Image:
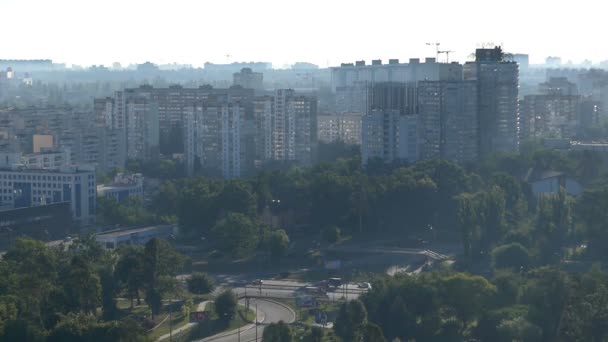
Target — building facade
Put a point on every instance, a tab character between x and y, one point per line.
24	188
345	128
497	100
448	120
246	78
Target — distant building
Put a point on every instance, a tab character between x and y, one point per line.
388	129
497	104
349	74
340	127
523	60
246	78
42	141
24	188
294	127
555	112
137	236
389	136
47	159
353	99
123	187
448	120
552	182
213	140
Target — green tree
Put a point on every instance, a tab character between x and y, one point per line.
236	234
331	234
129	271
277	332
154	300
316	334
467	295
279	242
586	317
513	256
370	332
200	283
226	305
547	292
82	286
351	316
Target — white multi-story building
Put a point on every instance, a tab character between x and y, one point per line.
340	127
47	159
349	75
212	138
23	188
142	128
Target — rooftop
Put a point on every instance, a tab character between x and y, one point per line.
116	233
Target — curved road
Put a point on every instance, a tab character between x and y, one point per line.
272	313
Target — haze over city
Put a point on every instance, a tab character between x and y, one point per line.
310	171
323	32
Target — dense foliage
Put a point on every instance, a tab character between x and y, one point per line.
53	294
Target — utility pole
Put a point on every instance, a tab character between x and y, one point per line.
256	321
170	326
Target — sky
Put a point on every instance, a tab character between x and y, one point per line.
324	32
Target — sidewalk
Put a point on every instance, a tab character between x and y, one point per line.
201	307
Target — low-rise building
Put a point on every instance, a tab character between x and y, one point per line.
552	182
138	236
123	187
24	188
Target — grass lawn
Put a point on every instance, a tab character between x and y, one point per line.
177	321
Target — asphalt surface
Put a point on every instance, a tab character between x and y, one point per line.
290	289
271	312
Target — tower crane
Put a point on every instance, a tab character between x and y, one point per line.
447	55
436	48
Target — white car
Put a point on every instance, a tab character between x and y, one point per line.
367	286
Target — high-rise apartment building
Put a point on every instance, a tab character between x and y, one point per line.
340	127
142	128
553	112
293	127
388	129
349	74
246	78
497	104
448	120
213	140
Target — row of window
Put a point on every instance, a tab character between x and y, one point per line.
37	177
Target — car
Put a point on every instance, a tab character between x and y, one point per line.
258	282
67	239
365	285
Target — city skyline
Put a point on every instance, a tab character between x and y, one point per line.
324	33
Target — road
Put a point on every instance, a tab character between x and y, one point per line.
291	289
268	312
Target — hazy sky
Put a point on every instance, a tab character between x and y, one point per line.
283	31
